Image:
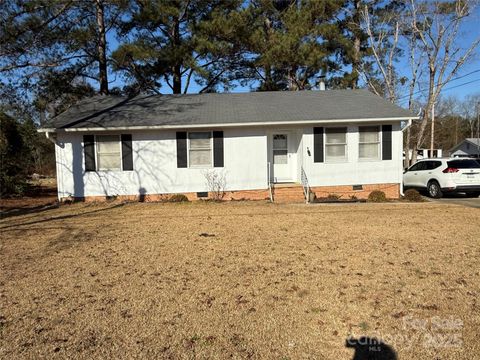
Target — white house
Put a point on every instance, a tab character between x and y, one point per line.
470	147
343	142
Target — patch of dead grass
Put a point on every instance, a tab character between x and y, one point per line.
241	280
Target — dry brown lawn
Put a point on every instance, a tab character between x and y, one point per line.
239	280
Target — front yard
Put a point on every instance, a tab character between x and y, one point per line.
239	280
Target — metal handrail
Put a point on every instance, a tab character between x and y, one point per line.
269	182
305	184
269	172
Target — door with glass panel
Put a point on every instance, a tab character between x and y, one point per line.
281	158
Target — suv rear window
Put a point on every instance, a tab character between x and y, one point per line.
464	164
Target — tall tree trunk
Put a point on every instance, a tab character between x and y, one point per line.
177	79
268	86
102	48
267	29
428	108
356	45
292	83
177	68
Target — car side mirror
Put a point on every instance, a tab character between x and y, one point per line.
405	170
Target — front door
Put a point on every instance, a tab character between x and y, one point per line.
282	164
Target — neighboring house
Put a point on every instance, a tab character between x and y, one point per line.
470	147
343	142
425	154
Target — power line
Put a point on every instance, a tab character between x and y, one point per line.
446	82
466	83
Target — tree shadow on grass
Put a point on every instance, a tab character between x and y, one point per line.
35	199
63	217
17	211
367	348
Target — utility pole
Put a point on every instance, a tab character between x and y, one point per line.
456	130
432	138
478	130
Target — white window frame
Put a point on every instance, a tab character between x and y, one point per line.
287	133
379	143
325	145
210	166
96	153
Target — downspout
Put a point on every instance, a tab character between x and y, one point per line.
50	138
53	140
409	123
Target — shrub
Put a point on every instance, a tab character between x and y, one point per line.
377	196
177	198
333	196
216	183
13	174
412	195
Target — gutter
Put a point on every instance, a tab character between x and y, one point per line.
409	123
222	125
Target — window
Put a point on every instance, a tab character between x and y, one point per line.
418	166
200	149
369	143
108	152
464	164
335	144
280	149
431	165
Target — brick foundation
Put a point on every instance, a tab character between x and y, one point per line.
392	191
192	196
282	194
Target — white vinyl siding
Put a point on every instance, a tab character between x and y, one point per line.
108	152
336	144
200	152
369	143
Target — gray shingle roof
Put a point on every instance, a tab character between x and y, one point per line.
474	141
226	108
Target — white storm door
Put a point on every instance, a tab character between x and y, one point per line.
281	158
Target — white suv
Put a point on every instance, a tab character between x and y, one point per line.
439	176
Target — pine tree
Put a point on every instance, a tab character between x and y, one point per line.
289	43
172	41
67	37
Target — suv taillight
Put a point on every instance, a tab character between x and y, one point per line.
449	170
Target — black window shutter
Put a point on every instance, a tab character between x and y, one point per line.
181	149
318	144
218	148
89	152
127	155
386	142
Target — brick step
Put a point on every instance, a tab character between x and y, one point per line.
288	194
292	200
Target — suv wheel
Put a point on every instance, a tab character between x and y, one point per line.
434	189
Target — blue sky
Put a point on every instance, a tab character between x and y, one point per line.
469	83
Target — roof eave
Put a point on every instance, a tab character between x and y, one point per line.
223	125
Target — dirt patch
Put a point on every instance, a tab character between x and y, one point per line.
240	280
